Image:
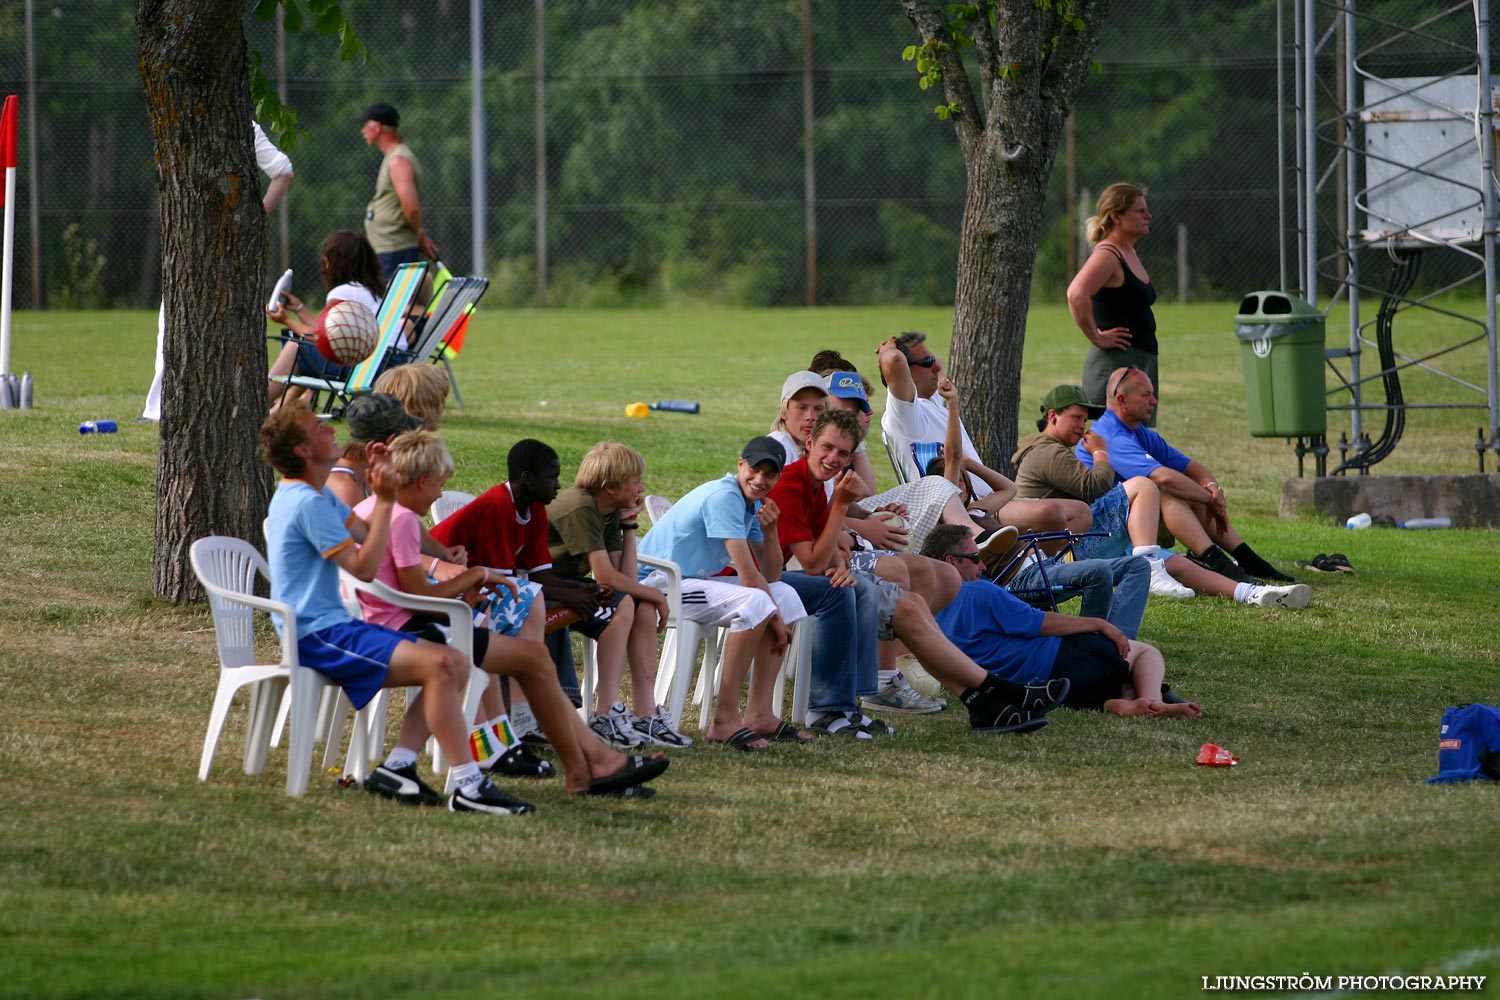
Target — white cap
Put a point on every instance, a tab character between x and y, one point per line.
797	381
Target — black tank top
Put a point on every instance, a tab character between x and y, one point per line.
1128	305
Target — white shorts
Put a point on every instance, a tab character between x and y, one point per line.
721	600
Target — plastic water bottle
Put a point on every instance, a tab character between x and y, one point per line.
98	427
1358	521
675	406
1428	522
26	389
6	401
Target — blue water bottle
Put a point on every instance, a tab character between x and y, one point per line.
675	406
98	427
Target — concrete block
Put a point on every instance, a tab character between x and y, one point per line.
1472	501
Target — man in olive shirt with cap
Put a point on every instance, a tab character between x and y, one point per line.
393	218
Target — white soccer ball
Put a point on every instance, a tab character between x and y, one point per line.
896	521
916	675
347	332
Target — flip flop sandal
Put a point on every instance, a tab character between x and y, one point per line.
633	792
1320	563
838	724
741	741
637	771
785	732
1341	562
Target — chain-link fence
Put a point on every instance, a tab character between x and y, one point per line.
674	136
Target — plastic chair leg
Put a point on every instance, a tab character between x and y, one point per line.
306	686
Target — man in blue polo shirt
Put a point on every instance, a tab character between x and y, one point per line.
1192	502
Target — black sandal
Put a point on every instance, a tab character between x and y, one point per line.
520	762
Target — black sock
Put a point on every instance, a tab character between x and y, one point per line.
998	689
1255	565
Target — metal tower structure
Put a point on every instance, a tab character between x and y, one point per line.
1393	164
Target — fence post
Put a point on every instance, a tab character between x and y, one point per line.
809	172
541	153
1182	264
476	134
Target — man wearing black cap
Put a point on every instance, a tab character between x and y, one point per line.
393	219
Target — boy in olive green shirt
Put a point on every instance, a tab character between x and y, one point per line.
591	532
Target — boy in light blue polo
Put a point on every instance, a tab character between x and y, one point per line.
722	524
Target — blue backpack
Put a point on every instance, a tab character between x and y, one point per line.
1469	745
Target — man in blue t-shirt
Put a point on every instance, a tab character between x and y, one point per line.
1192	502
1107	672
310	535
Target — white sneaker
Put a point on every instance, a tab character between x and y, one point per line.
616	728
660	729
1163	584
899	696
1296	596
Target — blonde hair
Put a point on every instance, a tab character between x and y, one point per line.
1116	200
608	463
422	389
420	453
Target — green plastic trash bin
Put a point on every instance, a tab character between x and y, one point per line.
1281	350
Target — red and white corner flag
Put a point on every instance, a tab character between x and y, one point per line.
9	127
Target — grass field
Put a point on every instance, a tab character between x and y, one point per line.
1092	859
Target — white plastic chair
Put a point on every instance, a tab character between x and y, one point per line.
450	501
460	636
228	568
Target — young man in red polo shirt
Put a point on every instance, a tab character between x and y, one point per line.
813	531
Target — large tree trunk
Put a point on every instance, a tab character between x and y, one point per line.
997	248
209	480
1031	67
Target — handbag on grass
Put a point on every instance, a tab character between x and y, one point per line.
1468	745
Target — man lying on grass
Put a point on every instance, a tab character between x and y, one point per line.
1021	644
422	465
310	534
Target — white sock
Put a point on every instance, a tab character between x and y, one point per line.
521	719
467	777
1152	552
400	757
1245	592
884	677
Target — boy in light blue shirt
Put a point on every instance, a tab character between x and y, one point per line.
729	523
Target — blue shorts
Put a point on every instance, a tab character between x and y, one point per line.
354	655
1111	514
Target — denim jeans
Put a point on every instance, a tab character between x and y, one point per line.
843	641
1113	589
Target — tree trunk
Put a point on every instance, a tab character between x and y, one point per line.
1031	67
209	478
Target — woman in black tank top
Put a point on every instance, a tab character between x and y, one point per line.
1111	296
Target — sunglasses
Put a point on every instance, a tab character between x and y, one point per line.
971	556
1129	369
926	362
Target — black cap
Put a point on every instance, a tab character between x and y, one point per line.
382	113
376	416
764	449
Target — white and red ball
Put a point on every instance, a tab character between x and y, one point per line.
346	332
